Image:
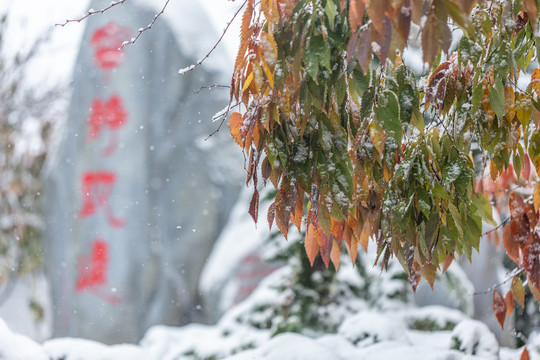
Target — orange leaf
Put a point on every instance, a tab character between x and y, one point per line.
356	14
335	254
493	171
235	125
511	247
311	244
525	355
447	262
352	244
509	300
499	307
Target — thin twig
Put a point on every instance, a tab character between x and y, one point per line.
210	87
513	273
92	12
224	117
192	67
141	30
497	227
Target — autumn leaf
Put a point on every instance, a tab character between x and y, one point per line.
525	354
511	247
436	34
518	291
363	50
254	206
536	196
509	300
351	244
376	10
499	307
311	244
509	104
356	14
335	255
325	243
531	259
235	126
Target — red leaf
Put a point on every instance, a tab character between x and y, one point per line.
516	204
266	169
376	10
521	229
531	259
499	307
271	215
404	19
351	47
342	4
363	50
326	247
254	206
382	39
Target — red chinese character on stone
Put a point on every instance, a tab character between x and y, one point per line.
107	115
92	274
107	40
96	190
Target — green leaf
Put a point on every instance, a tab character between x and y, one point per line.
440	192
331	12
478	93
388	115
418	120
483	208
496	98
424	202
456	217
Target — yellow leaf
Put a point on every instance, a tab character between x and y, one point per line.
536	196
523	109
248	82
509	104
535	81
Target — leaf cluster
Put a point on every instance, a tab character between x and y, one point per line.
358	148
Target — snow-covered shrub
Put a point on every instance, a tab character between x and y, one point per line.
475	338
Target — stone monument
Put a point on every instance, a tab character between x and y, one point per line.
135	195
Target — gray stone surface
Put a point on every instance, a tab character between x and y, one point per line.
171	196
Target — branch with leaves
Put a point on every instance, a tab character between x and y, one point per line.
358	149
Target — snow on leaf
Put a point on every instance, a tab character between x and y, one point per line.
531	259
499	307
